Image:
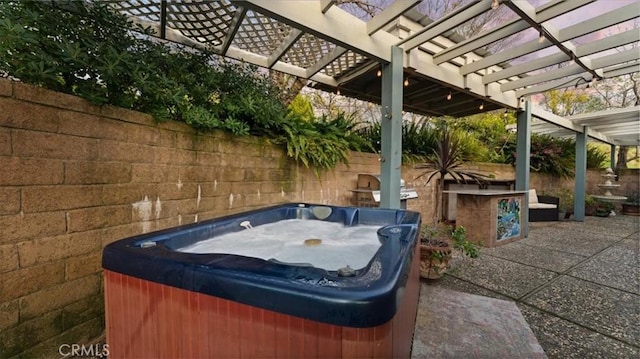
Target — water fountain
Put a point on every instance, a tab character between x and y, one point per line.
608	186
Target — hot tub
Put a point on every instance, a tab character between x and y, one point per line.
164	301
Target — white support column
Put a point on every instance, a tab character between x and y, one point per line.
391	123
523	150
581	175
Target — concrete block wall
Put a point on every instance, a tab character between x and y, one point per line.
75	177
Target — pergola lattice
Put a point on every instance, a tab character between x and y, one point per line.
319	41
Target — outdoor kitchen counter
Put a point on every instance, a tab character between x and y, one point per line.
491	217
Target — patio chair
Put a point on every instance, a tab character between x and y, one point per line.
542	208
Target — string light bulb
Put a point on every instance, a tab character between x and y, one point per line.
449	96
494	4
541	38
406	81
338	91
481	106
379	73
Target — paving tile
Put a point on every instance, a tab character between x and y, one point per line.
463	325
610	273
621	226
505	277
603	309
562	339
576	242
576	283
626	251
617	267
536	256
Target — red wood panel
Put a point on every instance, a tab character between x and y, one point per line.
329	341
405	320
146	319
383	341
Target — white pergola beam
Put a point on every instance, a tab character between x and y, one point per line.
233	29
447	73
260	60
324	26
286	44
566	82
375	47
600	136
592	25
357	73
446	23
326	60
619	129
480	41
597	63
525	67
527	9
622	70
626	112
546	12
606	121
170	35
556	120
618	58
611	18
503	56
560	73
562	122
584	50
610	42
389	14
325	5
630	140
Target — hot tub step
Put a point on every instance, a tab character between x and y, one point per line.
471	326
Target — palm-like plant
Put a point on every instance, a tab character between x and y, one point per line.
446	160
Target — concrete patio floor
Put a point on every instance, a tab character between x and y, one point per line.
577	285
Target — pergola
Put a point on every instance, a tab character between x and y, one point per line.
406	61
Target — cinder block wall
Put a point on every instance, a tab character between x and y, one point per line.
75	177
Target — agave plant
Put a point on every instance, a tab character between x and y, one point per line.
446	160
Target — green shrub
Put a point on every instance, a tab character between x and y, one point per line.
460	242
596	158
88	50
320	143
564	195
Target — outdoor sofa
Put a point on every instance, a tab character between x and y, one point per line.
542	208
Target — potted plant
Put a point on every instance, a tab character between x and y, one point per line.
435	251
632	205
590	206
603	209
437	244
